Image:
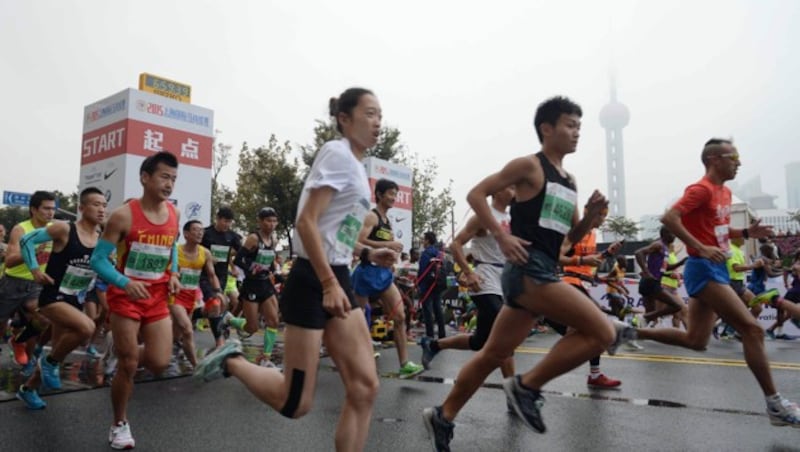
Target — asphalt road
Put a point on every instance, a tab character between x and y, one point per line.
670	400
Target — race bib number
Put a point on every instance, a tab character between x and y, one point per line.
220	253
147	261
722	232
190	278
347	234
558	208
76	280
263	260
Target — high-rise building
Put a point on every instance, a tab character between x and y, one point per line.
793	185
614	117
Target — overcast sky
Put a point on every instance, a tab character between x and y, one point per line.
461	80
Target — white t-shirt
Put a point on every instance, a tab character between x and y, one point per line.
486	252
335	166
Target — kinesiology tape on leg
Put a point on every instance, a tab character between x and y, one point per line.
295	393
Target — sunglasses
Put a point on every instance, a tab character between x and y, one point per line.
733	156
267	212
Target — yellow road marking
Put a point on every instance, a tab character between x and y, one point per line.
674	359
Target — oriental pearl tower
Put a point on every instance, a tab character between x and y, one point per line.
614	117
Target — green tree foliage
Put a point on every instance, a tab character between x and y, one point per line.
66	203
220	194
268	176
432	209
621	227
795	216
11	215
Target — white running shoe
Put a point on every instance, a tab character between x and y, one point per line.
119	436
634	346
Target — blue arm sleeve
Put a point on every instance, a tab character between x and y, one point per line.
27	243
174	267
100	264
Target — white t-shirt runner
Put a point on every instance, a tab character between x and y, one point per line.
335	166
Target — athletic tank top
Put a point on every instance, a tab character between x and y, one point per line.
69	269
42	256
381	232
667	281
263	262
655	261
190	269
737	258
144	254
587	246
546	218
489	260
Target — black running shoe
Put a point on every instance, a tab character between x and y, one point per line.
527	404
440	430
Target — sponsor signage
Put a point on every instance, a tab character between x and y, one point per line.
121	130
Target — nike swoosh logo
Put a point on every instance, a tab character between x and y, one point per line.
398	220
108	174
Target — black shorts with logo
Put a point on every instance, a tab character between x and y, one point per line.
256	290
301	298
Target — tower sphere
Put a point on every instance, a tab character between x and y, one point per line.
614	115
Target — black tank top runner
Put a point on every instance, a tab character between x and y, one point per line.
545	219
69	269
381	232
263	260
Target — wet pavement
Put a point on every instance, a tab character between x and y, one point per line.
670	400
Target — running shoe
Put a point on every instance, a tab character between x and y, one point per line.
210	367
223	326
27	369
237	323
634	346
770	334
91	352
31	399
410	369
267	363
440	430
527	403
625	333
767	297
784	413
120	437
427	352
602	382
50	374
20	353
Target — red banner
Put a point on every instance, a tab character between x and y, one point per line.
105	142
190	148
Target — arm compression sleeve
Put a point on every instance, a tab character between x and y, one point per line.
174	267
100	264
27	244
